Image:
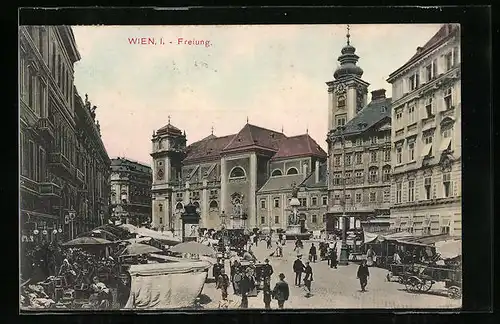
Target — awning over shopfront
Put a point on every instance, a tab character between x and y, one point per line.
449	249
380	237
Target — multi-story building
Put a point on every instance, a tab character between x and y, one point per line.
426	137
223	175
49	177
359	163
92	168
130	191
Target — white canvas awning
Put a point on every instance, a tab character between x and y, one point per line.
426	150
445	143
449	249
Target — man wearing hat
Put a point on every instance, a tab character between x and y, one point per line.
281	292
298	268
267	271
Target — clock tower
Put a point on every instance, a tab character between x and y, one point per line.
168	148
347	93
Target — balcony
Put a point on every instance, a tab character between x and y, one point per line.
49	189
59	161
45	128
80	176
28	185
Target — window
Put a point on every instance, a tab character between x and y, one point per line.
337	196
276	173
347	177
428	139
373	196
386	174
276	202
411	190
160	207
179	195
399	115
373	175
359	142
455	56
32	160
427	187
411	114
359	176
237	172
314	219
448	102
413	81
263	204
429	107
358	197
373	156
445	226
314	201
341	101
276	219
348	159
31	88
374	140
262	219
337	160
359	158
447	184
341	120
428	73
179	206
448	60
387	195
399	188
399	155
411	151
336	178
447	133
42	166
387	155
303	202
324	200
292	171
213	192
348	196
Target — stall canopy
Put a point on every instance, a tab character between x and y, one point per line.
380	237
428	240
166	237
166	285
449	249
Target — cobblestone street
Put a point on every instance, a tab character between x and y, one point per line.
337	288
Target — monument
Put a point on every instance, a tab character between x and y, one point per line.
190	223
294	229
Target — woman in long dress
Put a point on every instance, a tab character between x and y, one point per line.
369	257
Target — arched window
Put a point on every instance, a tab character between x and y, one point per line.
292	171
373	174
237	172
196	204
386	173
276	173
214	205
179	206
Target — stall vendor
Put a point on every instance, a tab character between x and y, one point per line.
101	294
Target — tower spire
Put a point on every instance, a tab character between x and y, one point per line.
212	129
247	119
348	35
169	119
282	128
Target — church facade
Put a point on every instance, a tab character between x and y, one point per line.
230	175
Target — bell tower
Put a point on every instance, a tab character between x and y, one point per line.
168	147
347	93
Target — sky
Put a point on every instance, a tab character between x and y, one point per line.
274	75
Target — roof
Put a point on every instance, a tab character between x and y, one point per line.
169	129
445	31
254	136
208	148
301	145
281	182
310	182
370	115
124	164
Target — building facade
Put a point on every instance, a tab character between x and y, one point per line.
224	175
359	163
50	176
130	192
426	137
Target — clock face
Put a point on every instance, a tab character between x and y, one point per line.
340	88
159	174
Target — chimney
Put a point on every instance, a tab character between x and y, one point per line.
316	172
304	171
378	94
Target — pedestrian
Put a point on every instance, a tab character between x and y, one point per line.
396	258
312	253
308	278
369	256
217	268
281	291
223	283
244	289
279	249
298	268
256	239
363	275
269	242
333	258
267	271
267	294
235	268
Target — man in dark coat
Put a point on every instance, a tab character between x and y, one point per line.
308	278
267	294
363	275
217	269
281	292
312	253
267	271
223	283
298	268
245	286
333	258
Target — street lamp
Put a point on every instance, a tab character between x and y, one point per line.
344	253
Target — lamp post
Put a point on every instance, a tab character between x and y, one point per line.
344	254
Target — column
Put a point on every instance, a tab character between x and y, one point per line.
204	205
252	222
223	187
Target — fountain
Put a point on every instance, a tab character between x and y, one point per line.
294	229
